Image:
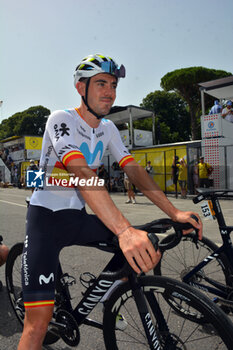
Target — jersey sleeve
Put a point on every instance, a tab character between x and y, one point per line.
118	149
61	129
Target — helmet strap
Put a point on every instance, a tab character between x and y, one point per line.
85	99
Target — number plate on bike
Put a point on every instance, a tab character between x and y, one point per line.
207	210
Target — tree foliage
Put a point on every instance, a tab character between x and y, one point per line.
172	121
185	83
29	122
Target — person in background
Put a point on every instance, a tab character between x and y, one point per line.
195	177
32	165
182	177
204	171
103	174
216	108
149	168
227	112
129	188
175	172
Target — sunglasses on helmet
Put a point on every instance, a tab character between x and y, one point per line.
110	67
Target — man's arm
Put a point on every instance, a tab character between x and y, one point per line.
147	186
225	112
134	244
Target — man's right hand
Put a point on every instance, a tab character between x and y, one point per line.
138	250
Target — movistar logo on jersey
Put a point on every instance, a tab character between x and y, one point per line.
35	178
90	157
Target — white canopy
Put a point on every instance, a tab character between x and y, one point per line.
127	114
220	88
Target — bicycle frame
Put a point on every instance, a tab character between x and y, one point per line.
226	248
98	289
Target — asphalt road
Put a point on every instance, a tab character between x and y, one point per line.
76	259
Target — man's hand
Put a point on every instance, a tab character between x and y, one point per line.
185	216
138	250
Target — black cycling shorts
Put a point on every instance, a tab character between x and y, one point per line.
47	232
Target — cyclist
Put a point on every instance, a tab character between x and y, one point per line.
74	143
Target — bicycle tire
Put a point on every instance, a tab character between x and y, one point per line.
178	261
14	288
187	335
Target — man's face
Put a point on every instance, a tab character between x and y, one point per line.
202	160
229	106
102	93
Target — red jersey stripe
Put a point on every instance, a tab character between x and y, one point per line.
125	160
72	155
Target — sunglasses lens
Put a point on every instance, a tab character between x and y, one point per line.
110	67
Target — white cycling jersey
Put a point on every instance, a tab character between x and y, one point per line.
67	136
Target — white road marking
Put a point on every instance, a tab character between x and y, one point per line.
19	205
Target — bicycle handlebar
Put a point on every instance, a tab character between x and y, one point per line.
207	193
156	226
167	224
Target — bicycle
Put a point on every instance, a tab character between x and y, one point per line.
161	314
202	264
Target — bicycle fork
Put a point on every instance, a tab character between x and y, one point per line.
153	336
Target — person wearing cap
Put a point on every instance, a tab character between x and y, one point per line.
32	165
204	171
227	112
216	108
74	143
182	177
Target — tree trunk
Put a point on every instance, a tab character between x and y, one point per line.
194	128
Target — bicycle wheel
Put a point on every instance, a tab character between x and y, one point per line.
178	261
14	287
180	332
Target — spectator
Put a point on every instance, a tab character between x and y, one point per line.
182	177
175	172
103	174
204	171
149	168
216	108
195	177
227	112
129	189
112	184
32	165
116	171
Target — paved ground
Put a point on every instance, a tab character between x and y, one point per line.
12	219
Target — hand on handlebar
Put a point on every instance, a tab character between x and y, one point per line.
138	250
188	216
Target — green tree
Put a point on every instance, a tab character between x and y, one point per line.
172	120
29	122
185	83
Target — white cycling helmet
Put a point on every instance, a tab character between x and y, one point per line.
95	64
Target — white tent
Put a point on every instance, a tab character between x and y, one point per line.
127	114
220	88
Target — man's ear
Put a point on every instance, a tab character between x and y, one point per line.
81	88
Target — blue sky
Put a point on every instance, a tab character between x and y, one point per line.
43	41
